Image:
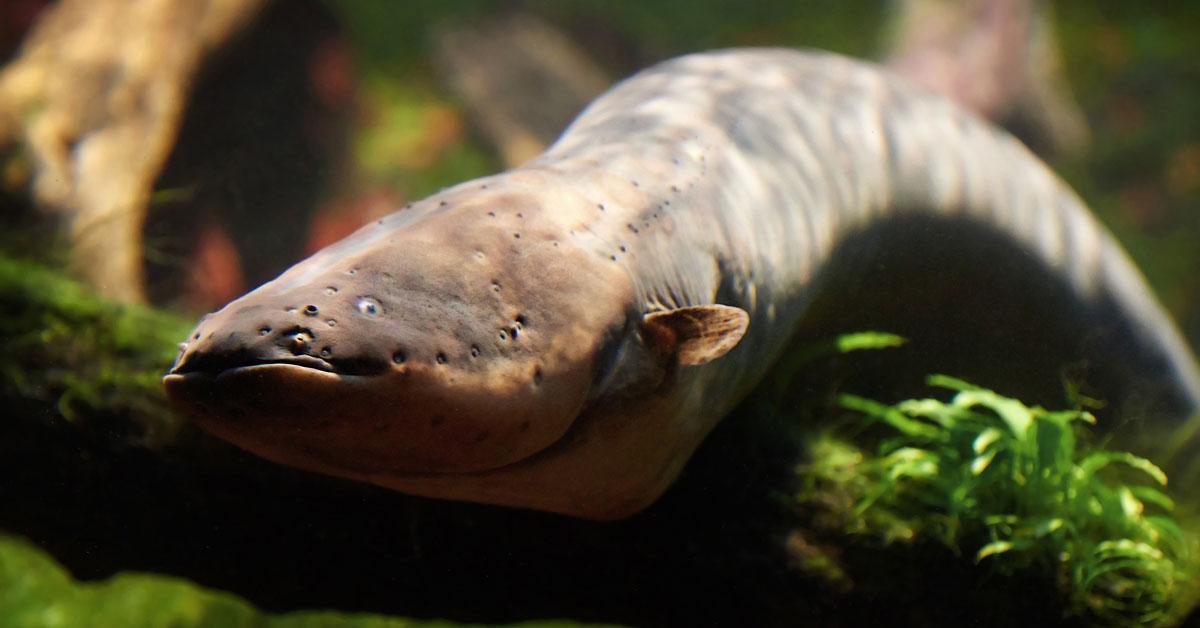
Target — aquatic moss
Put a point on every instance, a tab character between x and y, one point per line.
88	358
36	592
1016	488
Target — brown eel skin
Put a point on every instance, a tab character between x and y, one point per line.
562	336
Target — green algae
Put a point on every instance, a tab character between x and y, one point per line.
36	592
89	358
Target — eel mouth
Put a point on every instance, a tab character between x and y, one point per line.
200	368
411	420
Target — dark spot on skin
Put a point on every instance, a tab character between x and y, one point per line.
399	357
600	206
636	184
353	271
520	215
474	351
437	420
612	257
632	228
483	187
443	204
556	243
675	160
262	331
623	249
491	214
326	352
441	358
311	310
379	222
517	236
675	188
537	376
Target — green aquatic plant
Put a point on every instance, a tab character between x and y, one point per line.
84	356
1016	488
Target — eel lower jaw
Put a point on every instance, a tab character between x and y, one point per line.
303	361
203	394
301	416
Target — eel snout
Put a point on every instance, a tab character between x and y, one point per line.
405	354
333	385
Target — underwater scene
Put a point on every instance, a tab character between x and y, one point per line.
359	313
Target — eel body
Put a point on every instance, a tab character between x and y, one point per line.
562	336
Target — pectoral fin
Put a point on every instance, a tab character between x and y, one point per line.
696	334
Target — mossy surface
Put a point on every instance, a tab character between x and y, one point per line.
36	592
92	360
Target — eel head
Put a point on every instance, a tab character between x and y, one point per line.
433	353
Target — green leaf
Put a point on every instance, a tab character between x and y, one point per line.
985	439
1012	412
980	463
992	549
1048	526
1099	460
889	415
868	340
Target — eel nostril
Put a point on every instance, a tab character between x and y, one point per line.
262	331
298	342
311	310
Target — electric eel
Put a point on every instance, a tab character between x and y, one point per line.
562	336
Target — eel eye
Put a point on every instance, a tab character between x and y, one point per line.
369	306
